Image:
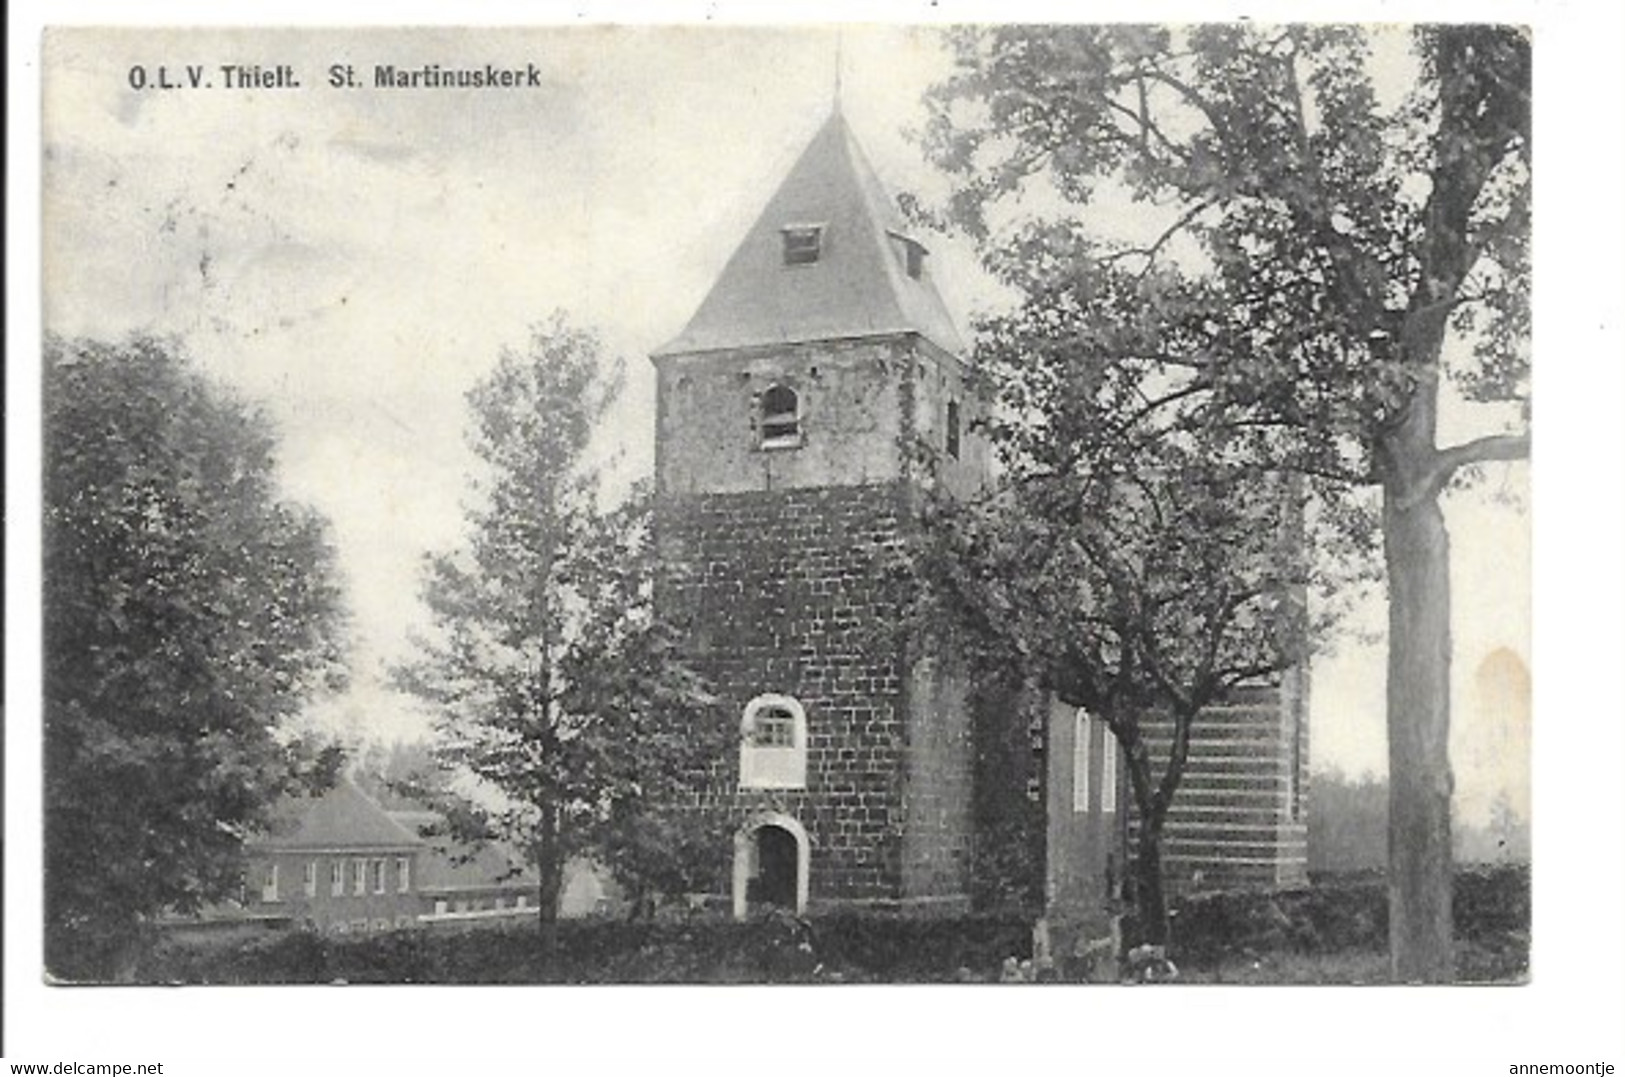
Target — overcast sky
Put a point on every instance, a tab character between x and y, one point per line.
354	259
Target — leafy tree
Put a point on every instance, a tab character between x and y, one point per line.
657	851
188	610
402	776
1324	269
552	682
1144	588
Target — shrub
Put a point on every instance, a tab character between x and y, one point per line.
1337	921
1348	914
776	948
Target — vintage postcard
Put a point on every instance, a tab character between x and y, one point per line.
838	504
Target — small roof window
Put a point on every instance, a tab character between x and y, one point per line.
803	243
915	260
911	252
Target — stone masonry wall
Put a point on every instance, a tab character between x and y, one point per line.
785	591
776	560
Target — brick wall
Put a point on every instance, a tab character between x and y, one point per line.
1240	817
786	592
781	565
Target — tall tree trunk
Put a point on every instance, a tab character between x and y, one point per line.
1417	551
1151	901
1151	801
1480	120
550	872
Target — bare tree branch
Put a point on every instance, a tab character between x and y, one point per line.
1478	451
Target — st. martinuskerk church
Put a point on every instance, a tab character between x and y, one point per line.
788	408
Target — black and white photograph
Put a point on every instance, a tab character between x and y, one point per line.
1039	508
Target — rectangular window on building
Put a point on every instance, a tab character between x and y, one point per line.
953	430
440	908
358	884
1080	762
403	873
1108	771
337	887
519	902
310	878
378	870
269	890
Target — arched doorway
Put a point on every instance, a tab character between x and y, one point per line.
770	865
775	881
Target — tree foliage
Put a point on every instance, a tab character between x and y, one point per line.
189	609
403	775
1303	253
552	682
1143	581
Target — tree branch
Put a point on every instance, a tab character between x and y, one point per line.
1186	92
1478	451
1149	126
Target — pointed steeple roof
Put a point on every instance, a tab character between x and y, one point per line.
860	284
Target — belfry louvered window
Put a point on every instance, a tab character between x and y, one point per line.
780	418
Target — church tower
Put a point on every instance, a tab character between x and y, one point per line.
790	413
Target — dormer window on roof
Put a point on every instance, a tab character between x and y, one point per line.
803	243
911	252
849	267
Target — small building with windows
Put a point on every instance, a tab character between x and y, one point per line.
335	862
340	863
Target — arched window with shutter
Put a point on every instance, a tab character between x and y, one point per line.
773	744
780	418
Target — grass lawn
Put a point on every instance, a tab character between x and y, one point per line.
1351	967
